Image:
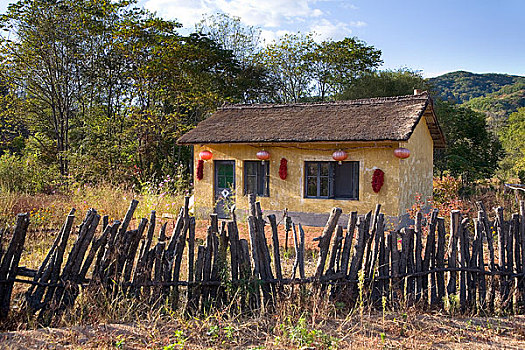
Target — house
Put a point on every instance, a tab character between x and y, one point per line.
300	141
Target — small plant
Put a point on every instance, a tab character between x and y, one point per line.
230	331
179	343
451	303
383	338
299	334
213	331
119	343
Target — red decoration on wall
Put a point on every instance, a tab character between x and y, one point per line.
200	169
340	156
263	155
205	155
283	169
402	153
378	179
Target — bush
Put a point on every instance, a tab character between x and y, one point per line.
24	174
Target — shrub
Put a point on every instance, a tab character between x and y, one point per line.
446	195
24	174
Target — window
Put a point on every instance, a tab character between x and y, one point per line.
257	178
332	180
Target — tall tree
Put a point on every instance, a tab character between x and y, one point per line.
337	64
288	60
230	33
472	151
304	69
52	57
513	140
244	42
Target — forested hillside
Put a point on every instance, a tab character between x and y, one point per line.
499	104
496	97
462	86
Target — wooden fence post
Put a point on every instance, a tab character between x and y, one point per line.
9	265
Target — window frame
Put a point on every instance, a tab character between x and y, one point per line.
262	170
331	180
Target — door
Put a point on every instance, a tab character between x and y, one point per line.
224	187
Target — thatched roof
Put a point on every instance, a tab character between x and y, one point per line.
375	119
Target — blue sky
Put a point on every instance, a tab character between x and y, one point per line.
432	36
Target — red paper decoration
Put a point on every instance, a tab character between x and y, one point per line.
402	153
205	155
263	155
200	169
283	169
339	155
378	179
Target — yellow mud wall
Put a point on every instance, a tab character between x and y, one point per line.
289	193
416	170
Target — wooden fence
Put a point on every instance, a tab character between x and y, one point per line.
422	265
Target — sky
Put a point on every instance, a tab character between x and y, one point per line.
435	37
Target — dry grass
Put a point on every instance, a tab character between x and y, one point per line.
301	320
296	325
48	212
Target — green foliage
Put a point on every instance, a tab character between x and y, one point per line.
303	69
498	105
496	96
288	61
462	86
24	174
513	140
299	334
337	64
106	88
179	343
472	151
386	83
229	32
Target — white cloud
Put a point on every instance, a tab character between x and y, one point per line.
267	13
326	29
274	17
186	12
357	24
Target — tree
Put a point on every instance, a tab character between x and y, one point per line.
472	151
229	32
288	61
106	88
337	64
513	140
306	70
244	44
60	62
385	83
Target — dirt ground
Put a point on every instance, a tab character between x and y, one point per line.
394	331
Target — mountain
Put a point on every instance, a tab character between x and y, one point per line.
495	95
499	104
462	86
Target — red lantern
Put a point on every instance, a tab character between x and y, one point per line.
339	156
263	155
402	153
205	155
